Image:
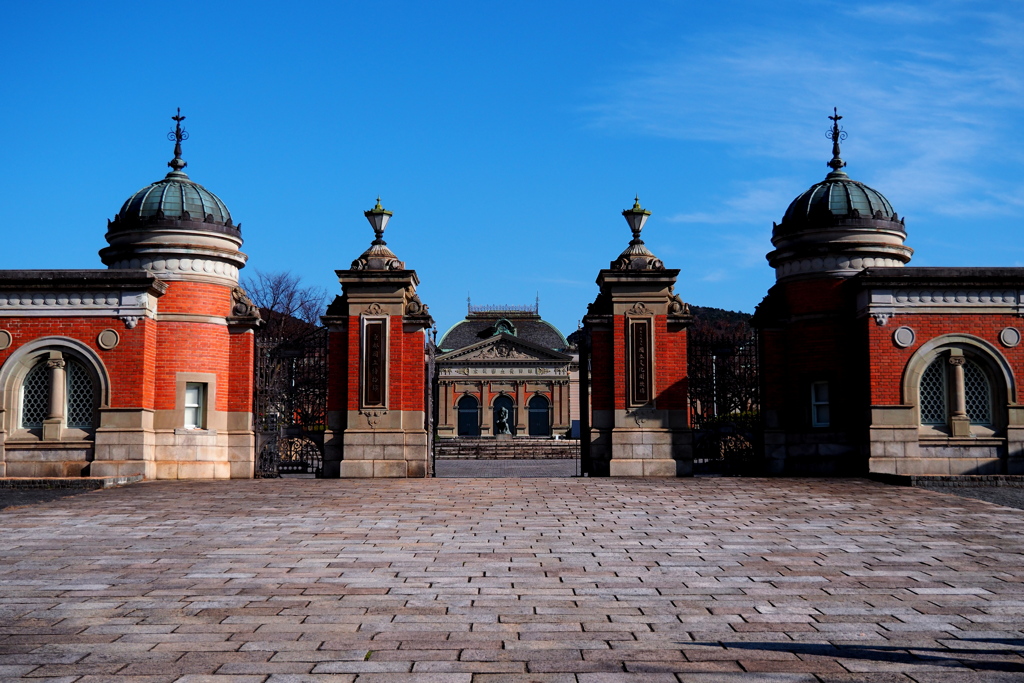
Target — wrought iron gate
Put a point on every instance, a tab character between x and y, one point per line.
724	399
290	401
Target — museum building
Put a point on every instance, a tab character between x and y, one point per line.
505	371
142	369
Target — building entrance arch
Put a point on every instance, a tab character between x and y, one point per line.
469	416
539	417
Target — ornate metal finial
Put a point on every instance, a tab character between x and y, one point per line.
177	136
836	135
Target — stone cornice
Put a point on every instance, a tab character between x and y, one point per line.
128	304
883	303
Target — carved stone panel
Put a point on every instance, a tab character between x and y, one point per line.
639	380
374	363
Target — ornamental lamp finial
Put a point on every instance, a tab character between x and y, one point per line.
636	217
378	217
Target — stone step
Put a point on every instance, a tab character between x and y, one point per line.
487	449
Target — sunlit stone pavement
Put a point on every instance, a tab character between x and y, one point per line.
583	580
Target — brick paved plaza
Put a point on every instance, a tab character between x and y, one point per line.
525	580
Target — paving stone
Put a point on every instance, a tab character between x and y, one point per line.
531	579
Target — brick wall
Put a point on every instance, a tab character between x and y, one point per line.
129	365
888	361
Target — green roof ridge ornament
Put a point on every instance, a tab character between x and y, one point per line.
177	136
836	135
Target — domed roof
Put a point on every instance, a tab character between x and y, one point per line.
838	226
176	229
175	201
484	322
836	197
838	200
175	196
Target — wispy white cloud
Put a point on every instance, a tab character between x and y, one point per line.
935	89
754	202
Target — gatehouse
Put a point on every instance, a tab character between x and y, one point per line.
855	362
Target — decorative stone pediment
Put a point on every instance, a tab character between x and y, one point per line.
504	348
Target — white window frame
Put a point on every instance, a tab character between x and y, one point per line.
195	410
817	403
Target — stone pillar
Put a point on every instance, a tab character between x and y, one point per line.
522	414
637	352
960	423
54	421
377	409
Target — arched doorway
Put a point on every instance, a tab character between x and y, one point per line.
540	422
469	418
504	415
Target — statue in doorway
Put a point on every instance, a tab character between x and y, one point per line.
501	424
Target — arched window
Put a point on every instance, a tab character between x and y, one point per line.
942	396
71	380
80	396
504	416
540	425
469	416
35	397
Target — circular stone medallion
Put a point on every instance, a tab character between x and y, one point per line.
1010	336
903	336
108	339
5	339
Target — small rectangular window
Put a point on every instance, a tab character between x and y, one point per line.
195	398
819	405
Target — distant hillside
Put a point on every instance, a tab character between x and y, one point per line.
706	314
706	321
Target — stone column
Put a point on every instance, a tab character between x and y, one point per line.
959	422
521	413
54	422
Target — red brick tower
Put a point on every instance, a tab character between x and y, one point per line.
812	343
637	423
183	407
377	391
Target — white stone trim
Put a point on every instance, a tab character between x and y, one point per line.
957	296
170	267
890	302
832	264
109	304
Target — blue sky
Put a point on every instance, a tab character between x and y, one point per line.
507	138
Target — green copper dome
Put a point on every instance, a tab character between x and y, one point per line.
834	199
176	196
175	201
837	227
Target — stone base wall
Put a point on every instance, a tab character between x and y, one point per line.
899	447
939	456
651	453
817	453
384	453
47	460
